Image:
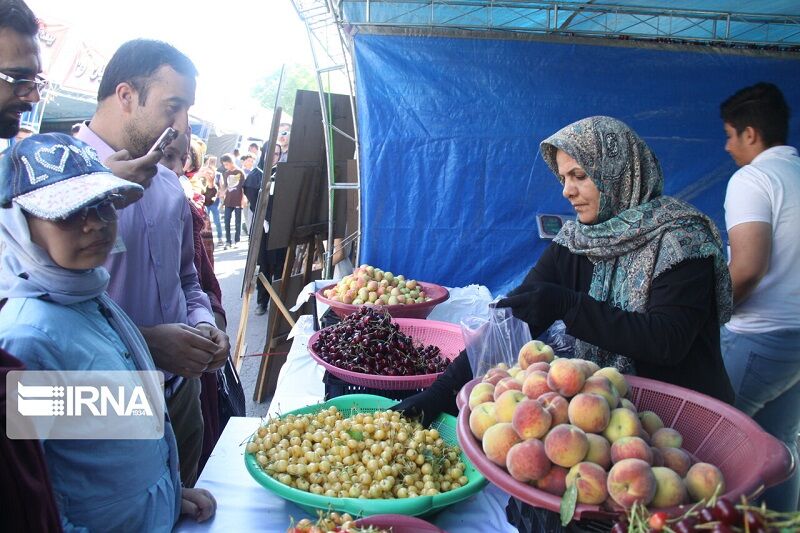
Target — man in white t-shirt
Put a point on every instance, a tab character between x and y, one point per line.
761	343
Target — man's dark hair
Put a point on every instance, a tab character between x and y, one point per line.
226	158
254	145
136	61
15	14
245	156
762	107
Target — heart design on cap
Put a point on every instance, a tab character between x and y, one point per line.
50	153
32	177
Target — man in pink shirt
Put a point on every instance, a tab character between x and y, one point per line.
149	86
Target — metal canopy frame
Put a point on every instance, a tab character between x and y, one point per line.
588	19
331	49
330	25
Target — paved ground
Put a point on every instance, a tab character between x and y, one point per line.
229	267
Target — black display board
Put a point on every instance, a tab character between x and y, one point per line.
300	197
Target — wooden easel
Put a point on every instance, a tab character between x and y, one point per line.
309	239
299	220
257	233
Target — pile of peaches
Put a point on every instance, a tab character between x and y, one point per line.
554	422
369	285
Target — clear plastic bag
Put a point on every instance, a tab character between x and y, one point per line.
562	343
493	339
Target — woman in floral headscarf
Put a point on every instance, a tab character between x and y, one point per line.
640	278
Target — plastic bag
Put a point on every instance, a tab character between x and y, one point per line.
493	339
463	302
562	343
230	393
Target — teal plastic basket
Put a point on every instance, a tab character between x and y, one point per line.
418	506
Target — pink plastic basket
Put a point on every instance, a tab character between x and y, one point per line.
438	294
446	336
399	523
713	432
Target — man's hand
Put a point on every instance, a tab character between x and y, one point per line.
139	170
220	338
180	349
198	503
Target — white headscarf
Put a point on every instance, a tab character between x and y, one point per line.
28	271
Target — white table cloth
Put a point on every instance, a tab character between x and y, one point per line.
244	506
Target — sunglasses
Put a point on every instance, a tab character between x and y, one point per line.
105	210
22	87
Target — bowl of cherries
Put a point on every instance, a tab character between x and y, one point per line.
371	349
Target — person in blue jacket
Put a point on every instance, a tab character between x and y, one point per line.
58	225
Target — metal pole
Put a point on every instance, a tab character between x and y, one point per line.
280	88
267	151
328	265
345	50
334	23
555	17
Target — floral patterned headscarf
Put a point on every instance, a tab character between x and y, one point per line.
639	234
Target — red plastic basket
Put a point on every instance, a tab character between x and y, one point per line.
437	293
713	432
398	523
446	336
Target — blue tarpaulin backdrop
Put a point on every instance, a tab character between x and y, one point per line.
450	129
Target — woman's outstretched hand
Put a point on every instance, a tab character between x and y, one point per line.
425	406
540	304
440	397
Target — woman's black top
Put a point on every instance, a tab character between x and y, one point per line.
676	340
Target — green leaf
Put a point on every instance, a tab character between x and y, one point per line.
568	503
357	435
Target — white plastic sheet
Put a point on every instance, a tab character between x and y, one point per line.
472	300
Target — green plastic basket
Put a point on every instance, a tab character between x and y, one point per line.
418	506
